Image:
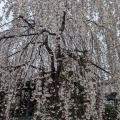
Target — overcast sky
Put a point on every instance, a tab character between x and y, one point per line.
1	5
2	15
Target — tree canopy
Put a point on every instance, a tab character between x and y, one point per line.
59	56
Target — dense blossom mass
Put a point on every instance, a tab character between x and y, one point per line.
60	60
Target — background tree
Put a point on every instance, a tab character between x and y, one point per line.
68	49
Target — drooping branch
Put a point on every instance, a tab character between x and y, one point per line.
75	57
13	36
13	68
100	67
25	35
30	25
50	53
63	22
59	57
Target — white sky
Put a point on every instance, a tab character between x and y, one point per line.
2	15
1	5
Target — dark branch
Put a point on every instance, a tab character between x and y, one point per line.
70	54
63	22
51	54
30	25
44	30
100	67
23	35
